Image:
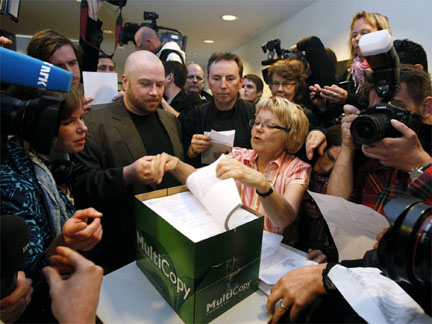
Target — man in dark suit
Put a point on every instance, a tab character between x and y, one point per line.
116	163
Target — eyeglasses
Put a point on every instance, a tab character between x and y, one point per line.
267	125
285	85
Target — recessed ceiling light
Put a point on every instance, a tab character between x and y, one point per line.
229	17
208	41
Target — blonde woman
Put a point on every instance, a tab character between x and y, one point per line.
362	23
270	179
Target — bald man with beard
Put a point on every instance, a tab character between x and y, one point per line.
116	164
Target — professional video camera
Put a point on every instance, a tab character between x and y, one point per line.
405	251
34	120
274	48
129	29
276	53
373	124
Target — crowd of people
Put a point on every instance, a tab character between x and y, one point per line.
80	197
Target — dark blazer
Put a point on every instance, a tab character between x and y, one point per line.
112	142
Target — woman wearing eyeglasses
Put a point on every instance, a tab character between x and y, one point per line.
270	179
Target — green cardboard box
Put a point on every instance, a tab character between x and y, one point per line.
199	280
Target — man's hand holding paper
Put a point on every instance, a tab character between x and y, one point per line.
199	144
220	143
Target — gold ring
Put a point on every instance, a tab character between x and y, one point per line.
283	306
227	168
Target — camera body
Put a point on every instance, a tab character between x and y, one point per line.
373	124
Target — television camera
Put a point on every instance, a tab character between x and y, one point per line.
35	120
276	53
165	34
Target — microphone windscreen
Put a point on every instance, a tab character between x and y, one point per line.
14	238
24	70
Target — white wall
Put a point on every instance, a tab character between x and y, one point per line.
330	20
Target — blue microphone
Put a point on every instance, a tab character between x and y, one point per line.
24	70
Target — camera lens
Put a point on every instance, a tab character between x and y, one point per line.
367	129
404	252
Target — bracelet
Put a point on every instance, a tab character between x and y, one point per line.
265	194
328	284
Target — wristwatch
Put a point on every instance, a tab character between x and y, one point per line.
417	172
327	283
265	194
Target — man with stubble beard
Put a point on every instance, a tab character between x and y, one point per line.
116	164
225	112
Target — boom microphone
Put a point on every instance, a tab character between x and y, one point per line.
13	251
24	70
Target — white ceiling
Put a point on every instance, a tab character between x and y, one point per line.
198	19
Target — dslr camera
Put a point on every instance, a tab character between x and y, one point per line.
373	124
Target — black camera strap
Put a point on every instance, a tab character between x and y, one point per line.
83	28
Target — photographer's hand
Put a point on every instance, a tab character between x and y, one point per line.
351	113
334	94
404	153
315	97
341	180
315	139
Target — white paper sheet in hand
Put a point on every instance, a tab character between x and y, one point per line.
375	297
100	86
354	227
221	142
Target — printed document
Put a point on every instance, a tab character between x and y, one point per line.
221	142
100	86
211	207
375	297
277	259
354	227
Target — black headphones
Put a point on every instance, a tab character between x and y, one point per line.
61	170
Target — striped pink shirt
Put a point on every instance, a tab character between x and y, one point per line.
281	172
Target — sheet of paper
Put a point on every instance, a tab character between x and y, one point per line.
184	212
376	298
100	86
220	197
265	288
221	142
354	227
277	259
